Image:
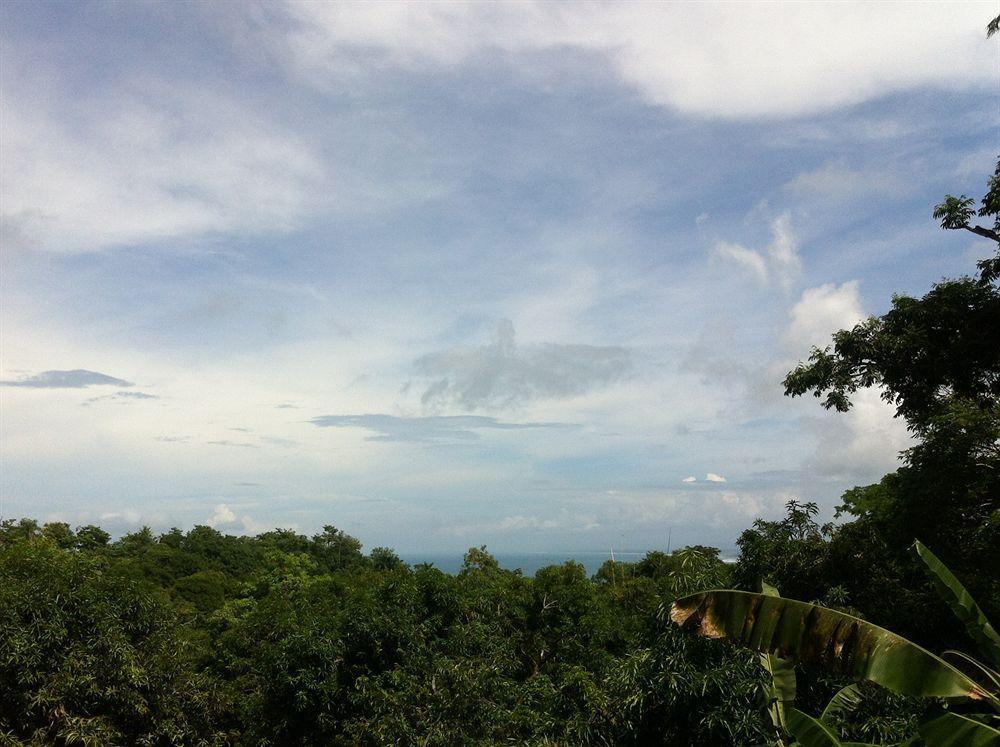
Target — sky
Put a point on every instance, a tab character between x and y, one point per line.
526	275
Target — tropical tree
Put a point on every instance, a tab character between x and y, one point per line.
89	657
936	360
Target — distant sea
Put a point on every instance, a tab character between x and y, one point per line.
528	562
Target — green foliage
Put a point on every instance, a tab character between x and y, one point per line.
955	212
925	353
91	537
87	658
789	554
199	637
783	686
59	533
958	212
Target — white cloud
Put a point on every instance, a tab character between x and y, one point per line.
712	477
513	523
860	445
223	515
712	507
691	478
226	520
820	312
747	505
712	59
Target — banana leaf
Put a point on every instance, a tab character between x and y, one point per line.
844	702
961	603
975	670
838	642
782	687
810	732
955	730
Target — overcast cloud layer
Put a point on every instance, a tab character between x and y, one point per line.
442	274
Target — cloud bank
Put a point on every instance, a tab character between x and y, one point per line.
78	378
503	374
817	56
392	428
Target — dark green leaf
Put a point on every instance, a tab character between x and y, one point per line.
961	603
810	732
954	730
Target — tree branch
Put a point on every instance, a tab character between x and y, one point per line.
983	232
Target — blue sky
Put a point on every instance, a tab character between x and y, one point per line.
442	275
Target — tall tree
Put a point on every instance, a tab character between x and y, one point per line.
936	359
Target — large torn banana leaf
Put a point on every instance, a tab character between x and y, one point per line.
824	637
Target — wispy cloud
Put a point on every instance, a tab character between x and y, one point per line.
240	444
503	373
427	428
780	261
520	523
76	379
122	397
175	163
748	259
836	180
